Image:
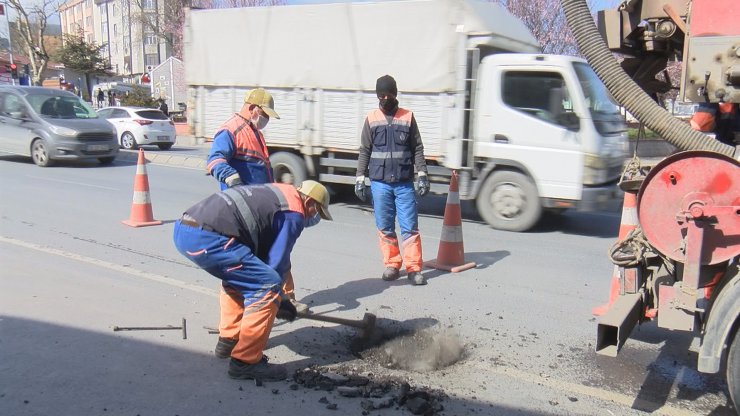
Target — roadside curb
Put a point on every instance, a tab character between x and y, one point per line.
192	162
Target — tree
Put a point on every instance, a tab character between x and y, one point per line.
138	97
167	25
546	20
31	26
83	57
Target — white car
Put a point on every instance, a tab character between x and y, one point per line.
137	126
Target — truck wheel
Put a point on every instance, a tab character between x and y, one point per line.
509	201
733	369
40	153
288	168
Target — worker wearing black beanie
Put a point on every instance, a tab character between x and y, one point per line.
390	149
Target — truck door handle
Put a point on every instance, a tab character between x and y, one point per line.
500	138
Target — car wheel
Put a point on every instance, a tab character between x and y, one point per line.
509	201
165	146
288	168
128	141
106	160
40	153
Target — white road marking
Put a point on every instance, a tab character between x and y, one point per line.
74	183
112	266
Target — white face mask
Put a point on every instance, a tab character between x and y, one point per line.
260	122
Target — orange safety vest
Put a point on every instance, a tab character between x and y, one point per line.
249	146
391	158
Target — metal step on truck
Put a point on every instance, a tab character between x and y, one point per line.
526	131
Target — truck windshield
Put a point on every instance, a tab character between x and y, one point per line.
597	98
56	106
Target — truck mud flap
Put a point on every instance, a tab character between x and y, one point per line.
617	323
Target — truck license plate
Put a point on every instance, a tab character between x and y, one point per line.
97	147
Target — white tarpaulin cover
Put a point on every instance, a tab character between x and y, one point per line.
345	46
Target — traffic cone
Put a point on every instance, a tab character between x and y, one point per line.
628	223
141	208
451	254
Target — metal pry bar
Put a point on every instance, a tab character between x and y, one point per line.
155	328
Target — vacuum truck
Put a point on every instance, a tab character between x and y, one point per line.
678	264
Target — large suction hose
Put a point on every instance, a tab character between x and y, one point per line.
627	92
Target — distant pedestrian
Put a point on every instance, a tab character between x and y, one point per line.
101	98
163	107
111	98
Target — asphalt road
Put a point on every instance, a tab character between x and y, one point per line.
71	271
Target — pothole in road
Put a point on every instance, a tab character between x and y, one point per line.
419	349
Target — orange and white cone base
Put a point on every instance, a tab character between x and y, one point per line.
141	208
451	253
627	224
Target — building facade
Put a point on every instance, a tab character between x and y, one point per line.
127	29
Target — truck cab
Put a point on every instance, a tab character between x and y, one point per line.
549	135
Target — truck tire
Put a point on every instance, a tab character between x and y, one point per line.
509	201
733	370
288	168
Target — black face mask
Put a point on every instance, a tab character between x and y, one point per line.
388	104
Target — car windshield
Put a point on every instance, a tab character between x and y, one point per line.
60	106
597	97
152	114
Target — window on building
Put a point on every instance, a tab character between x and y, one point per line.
88	21
151	59
150	39
115	10
115	29
115	48
90	38
147	4
88	3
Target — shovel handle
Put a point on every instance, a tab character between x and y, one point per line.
333	319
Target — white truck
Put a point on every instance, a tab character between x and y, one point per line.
526	131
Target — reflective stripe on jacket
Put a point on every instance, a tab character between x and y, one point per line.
247	213
392	158
239	148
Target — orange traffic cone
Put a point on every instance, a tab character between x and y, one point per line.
141	208
628	223
451	254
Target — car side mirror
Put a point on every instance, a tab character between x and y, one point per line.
571	121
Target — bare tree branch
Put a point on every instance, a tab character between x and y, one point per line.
31	26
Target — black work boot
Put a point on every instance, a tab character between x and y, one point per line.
262	370
224	347
417	278
390	273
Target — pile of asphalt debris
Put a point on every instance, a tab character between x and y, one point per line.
375	392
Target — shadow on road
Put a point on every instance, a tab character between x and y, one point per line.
52	369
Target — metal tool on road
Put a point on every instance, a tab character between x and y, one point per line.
366	325
154	328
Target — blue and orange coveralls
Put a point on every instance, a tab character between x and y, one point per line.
244	236
239	147
390	148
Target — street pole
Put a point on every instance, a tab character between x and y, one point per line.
10	46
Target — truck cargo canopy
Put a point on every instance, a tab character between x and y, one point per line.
346	46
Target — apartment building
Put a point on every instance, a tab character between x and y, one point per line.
127	29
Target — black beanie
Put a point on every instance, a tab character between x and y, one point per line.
386	84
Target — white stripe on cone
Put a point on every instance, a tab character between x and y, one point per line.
452	233
141	197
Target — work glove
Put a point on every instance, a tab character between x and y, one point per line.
286	310
233	180
422	184
360	188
